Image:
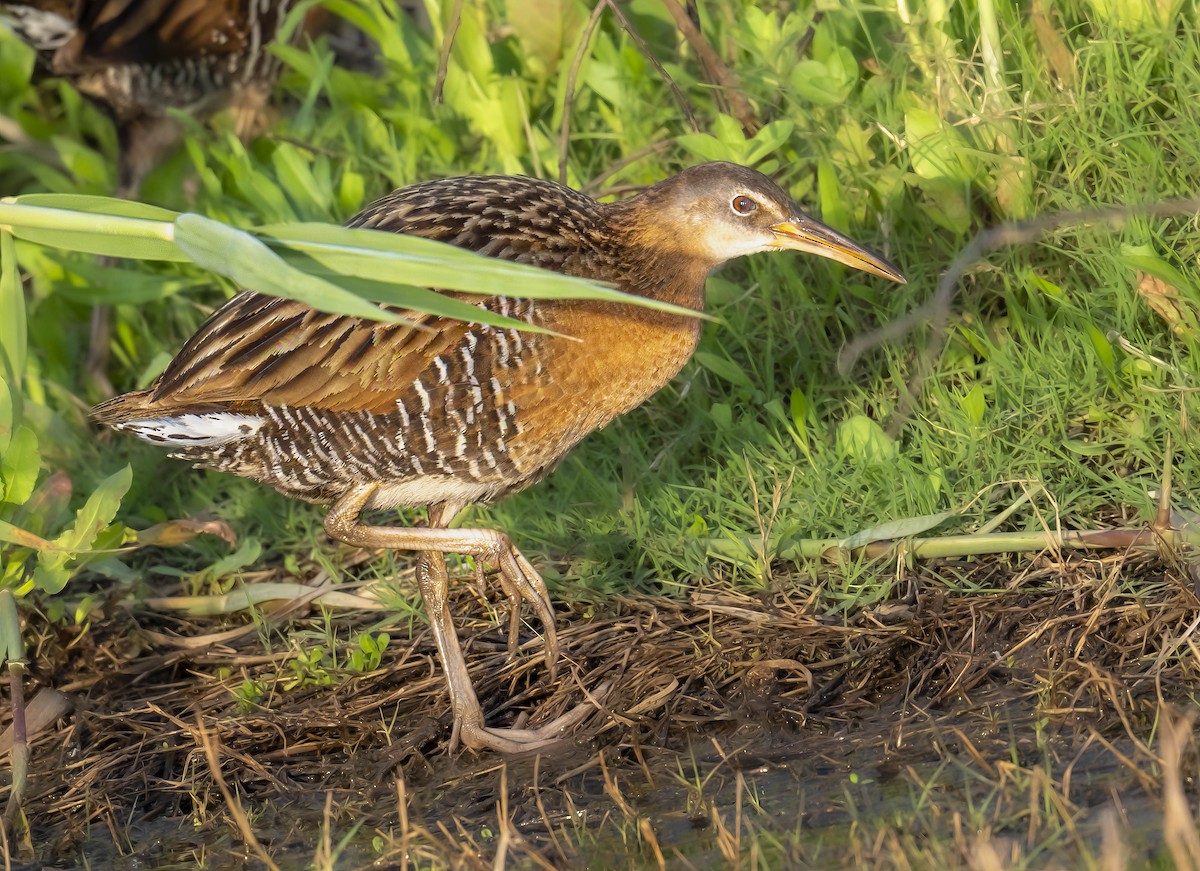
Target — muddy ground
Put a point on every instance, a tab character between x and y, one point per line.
1039	722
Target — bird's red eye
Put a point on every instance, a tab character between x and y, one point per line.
743	205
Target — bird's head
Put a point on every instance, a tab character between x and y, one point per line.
718	211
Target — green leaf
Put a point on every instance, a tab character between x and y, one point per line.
1049	288
53	569
98	205
8	414
20	464
1104	350
1143	257
247	554
724	368
413	260
239	256
861	438
799	406
423	299
893	529
93	225
768	140
974	403
13	338
297	178
12	643
546	29
705	146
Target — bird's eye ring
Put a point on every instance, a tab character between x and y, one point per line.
743	205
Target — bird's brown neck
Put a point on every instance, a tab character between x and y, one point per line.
653	260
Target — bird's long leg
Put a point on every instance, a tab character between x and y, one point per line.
342	522
488	545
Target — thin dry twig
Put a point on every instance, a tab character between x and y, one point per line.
443	66
232	803
721	76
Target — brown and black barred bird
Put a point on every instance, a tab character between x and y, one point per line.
142	57
357	414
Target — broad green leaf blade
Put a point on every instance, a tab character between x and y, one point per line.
907	527
239	256
98	205
8	414
430	301
93	229
13	338
374	254
97	512
19	467
53	571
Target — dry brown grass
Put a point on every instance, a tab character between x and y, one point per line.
743	731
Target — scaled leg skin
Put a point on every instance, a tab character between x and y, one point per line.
342	522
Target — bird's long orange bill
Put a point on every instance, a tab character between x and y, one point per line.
805	234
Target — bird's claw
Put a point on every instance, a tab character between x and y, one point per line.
552	735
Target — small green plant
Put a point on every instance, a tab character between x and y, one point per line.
309	668
366	651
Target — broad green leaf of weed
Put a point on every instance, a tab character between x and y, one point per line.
20	464
828	82
13	336
1144	258
421	299
1047	287
53	571
23	538
799	407
1136	15
974	403
296	175
418	262
351	191
722	416
862	439
546	29
98	205
936	149
724	368
246	555
89	168
706	146
768	140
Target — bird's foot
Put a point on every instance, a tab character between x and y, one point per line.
521	582
474	735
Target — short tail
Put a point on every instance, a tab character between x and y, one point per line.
189	427
123	408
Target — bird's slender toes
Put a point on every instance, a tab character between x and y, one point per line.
546	738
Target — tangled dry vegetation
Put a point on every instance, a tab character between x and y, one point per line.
1043	703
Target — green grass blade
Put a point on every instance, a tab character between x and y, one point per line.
425	300
364	253
239	256
89	229
13	338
